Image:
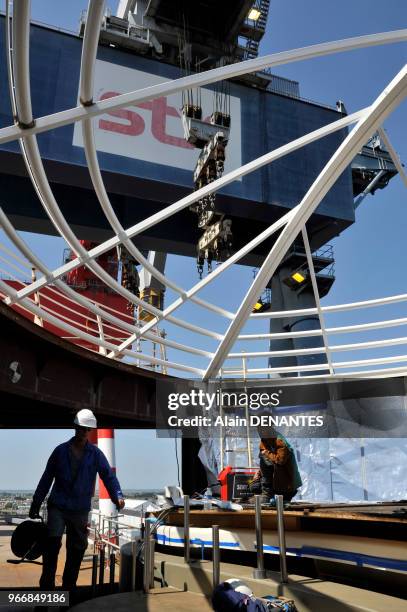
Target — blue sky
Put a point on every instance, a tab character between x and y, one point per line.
370	255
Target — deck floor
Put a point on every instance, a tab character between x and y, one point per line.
26	575
168	598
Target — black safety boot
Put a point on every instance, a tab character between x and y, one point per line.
267	494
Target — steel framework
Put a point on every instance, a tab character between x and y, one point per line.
22	258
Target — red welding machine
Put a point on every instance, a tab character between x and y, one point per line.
235	482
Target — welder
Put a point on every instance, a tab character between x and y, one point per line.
278	474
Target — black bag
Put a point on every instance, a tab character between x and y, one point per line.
28	539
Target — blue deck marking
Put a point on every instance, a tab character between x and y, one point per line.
343	555
305	551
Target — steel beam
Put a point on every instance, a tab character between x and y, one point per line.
388	100
310	262
393	155
79	113
45	380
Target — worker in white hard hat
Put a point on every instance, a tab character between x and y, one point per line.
73	467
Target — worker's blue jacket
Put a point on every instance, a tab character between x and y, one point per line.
75	495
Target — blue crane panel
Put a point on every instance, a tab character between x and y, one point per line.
146	143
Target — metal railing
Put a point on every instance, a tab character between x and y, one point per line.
259	572
142	545
106	533
281	85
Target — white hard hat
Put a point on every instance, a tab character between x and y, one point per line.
240	586
85	418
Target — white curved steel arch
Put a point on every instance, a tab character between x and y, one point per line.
193	197
384	105
35	167
368	119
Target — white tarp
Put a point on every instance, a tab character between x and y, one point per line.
332	469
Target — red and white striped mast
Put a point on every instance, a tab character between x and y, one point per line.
106	445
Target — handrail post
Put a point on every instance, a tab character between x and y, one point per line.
152	552
259	572
102	564
187	542
94	573
102	555
133	564
215	556
112	568
281	538
147	557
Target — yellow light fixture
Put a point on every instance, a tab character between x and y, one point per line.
254	14
298	277
258	306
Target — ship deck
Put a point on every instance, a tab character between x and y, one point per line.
350	537
360	519
26	575
309	593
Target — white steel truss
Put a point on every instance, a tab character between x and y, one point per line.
107	321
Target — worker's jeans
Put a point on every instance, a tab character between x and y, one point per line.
76	524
